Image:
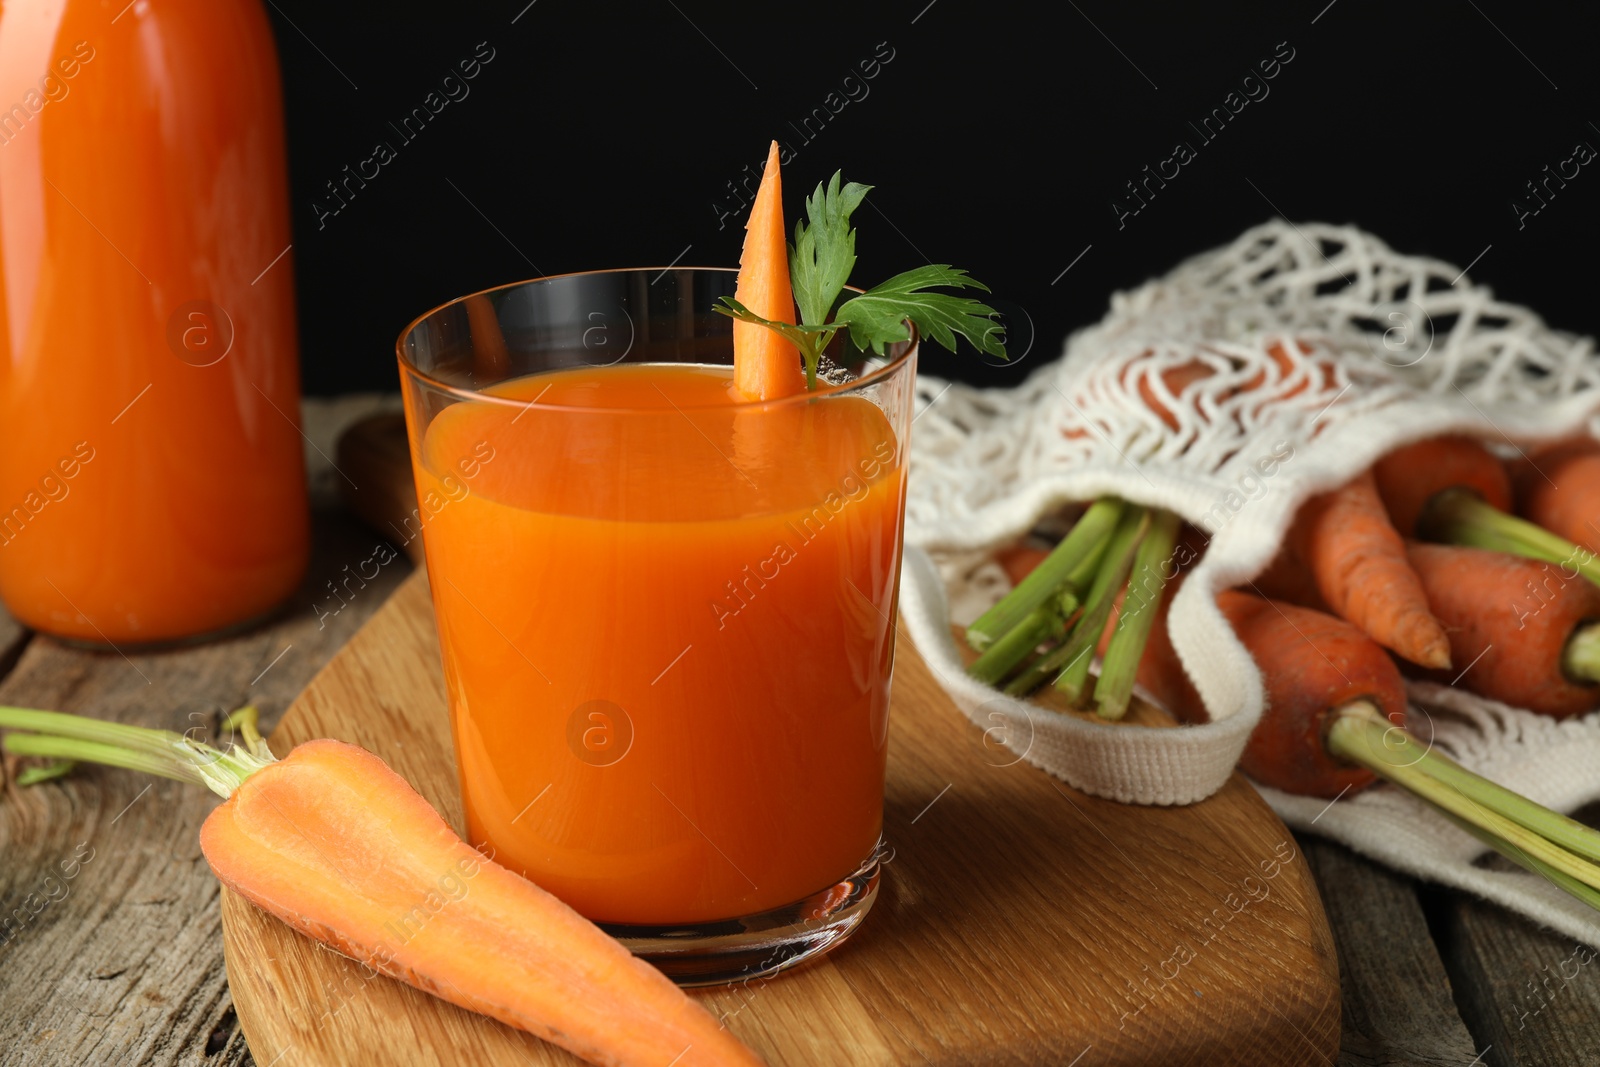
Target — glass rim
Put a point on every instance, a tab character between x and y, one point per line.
407	366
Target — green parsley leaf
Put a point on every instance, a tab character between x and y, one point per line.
824	253
820	262
877	316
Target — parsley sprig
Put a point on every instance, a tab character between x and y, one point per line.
820	262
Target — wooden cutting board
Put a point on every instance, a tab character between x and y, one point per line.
1019	921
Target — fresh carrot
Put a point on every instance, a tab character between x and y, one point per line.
1358	561
1287	578
1333	722
342	849
1313	665
765	365
1559	489
1411	478
1522	630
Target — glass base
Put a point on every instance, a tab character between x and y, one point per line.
756	946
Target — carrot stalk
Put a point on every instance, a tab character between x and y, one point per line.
1358	561
1082	545
1560	879
1152	567
1570	834
56	768
65	748
766	366
1078	649
1458	517
1041	623
1581	658
1359	732
342	849
1115	561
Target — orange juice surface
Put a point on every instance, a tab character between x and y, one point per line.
667	633
151	481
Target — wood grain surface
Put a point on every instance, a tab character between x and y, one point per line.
1398	1010
120	962
1019	921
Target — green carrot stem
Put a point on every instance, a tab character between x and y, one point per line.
54	769
1140	606
1360	734
69	748
1118	561
1554	827
139	738
1580	660
1084	542
163	752
1461	517
1040	623
1561	880
246	720
1115	561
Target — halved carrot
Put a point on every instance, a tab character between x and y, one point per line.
1410	478
334	843
765	366
1345	539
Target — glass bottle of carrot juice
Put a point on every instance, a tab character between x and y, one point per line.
152	486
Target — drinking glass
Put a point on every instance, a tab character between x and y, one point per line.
666	614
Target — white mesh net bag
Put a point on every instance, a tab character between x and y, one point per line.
1322	349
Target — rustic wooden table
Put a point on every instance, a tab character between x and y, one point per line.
121	963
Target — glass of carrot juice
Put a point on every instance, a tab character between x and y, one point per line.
666	614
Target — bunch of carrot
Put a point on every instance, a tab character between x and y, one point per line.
1507	605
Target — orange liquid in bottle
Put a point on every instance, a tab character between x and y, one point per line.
667	635
152	484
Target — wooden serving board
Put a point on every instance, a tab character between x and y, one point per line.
1019	921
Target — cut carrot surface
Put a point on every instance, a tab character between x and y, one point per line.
765	365
334	843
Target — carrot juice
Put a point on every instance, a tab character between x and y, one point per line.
667	628
152	483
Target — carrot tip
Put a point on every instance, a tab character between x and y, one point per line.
1436	656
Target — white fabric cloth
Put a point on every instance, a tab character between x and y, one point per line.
1327	349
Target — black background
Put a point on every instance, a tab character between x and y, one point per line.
604	135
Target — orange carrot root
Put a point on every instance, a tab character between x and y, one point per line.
1312	664
1510	619
1559	489
334	843
1408	478
765	365
1359	563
